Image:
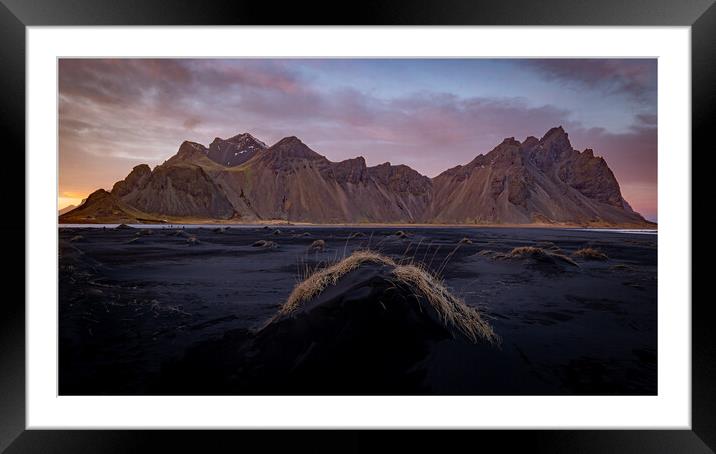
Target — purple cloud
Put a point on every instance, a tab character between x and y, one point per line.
633	77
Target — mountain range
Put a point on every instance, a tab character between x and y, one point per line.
241	179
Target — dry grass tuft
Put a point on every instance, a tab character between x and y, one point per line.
453	312
401	234
589	253
265	244
550	246
318	281
538	254
318	245
528	251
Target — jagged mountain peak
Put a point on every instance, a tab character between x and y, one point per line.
530	142
246	137
556	131
96	195
511	141
235	150
555	139
289	141
292	147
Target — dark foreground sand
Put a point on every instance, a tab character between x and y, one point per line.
168	312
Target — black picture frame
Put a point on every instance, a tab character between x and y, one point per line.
16	15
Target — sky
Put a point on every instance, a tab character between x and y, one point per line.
430	114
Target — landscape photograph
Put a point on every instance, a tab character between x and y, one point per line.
357	226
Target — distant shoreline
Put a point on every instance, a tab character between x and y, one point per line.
277	223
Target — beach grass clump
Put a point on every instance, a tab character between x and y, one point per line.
549	246
453	313
589	253
265	244
314	284
528	251
318	246
539	254
452	310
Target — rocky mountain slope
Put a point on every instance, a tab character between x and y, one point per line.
241	179
103	207
66	209
536	181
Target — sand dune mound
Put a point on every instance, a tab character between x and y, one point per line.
362	325
433	298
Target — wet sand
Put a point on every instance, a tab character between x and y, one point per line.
136	308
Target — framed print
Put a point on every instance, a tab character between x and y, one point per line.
448	217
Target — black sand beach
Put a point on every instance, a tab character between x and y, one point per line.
166	310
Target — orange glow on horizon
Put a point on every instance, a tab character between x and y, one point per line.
66	199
